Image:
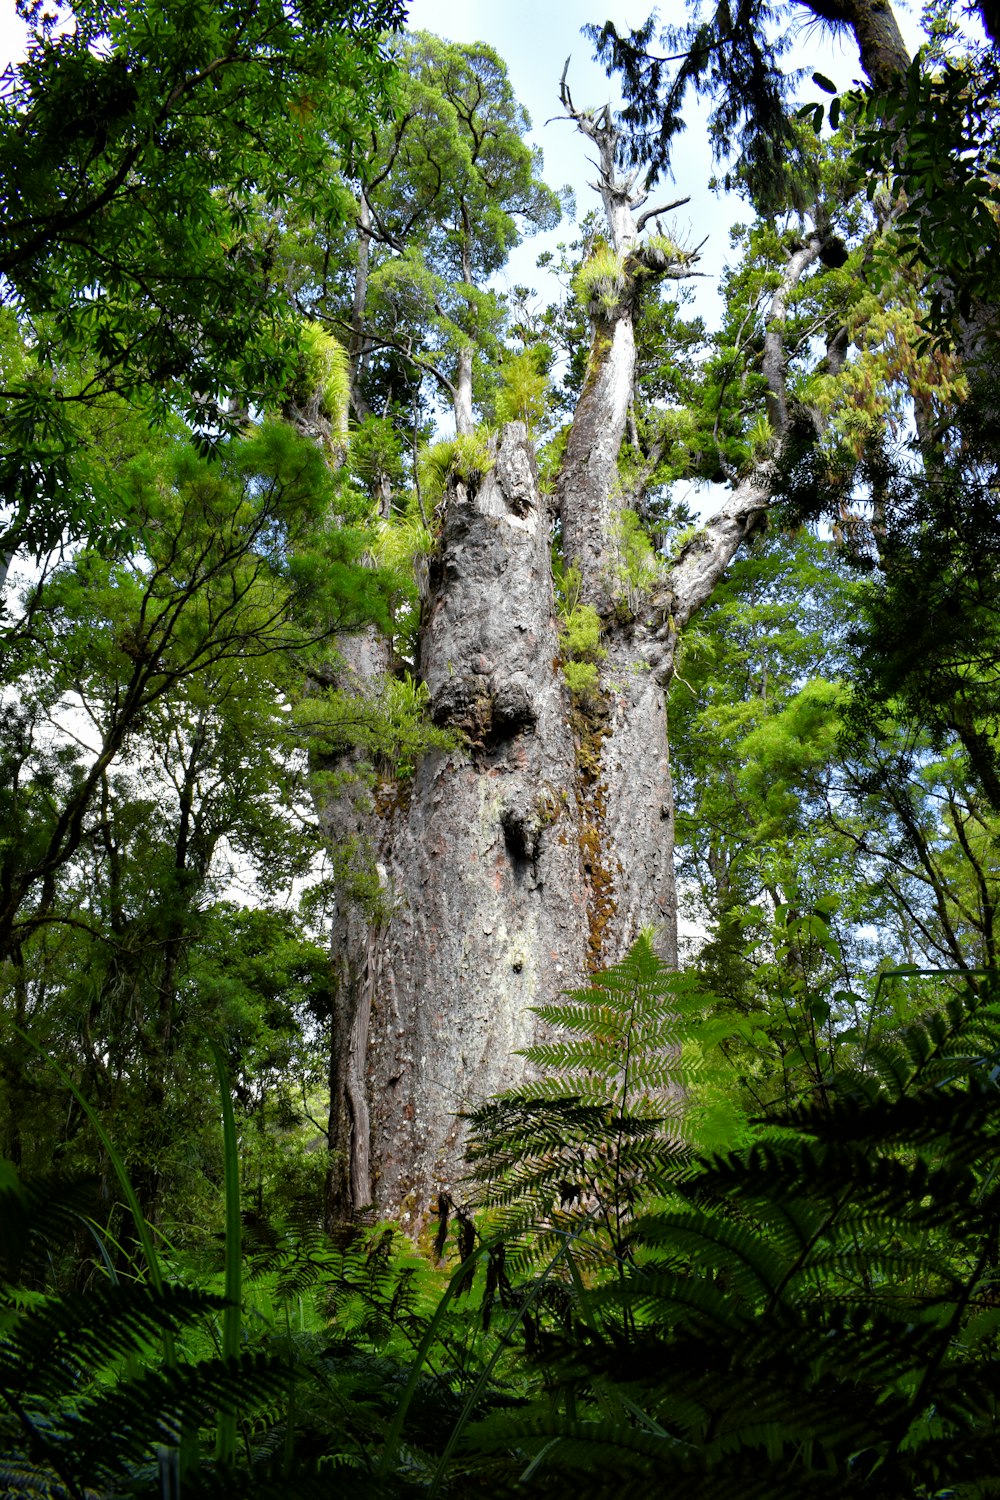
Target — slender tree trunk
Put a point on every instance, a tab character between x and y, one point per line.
346	809
13	1062
357	351
465	422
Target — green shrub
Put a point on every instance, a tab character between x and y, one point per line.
324	371
636	568
580	640
523	390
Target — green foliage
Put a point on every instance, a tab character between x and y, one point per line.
389	722
449	187
930	143
466	458
580	624
785	817
325	373
809	1314
926	633
375	455
550	457
781	752
580	640
635	564
662	245
401	545
462	148
238	566
811	1311
583	680
403	540
601	281
81	1400
523	389
174	771
602	1133
734	60
141	154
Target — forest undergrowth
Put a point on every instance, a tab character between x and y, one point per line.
618	1301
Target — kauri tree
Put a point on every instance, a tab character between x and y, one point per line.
535	847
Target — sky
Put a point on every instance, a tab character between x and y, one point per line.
535	37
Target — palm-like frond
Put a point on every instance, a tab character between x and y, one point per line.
815	1314
602	1130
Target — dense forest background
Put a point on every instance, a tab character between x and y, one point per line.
378	686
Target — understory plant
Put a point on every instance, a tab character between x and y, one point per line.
812	1311
579	640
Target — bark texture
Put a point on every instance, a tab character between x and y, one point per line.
880	43
510	862
536	850
513	865
590	463
347	813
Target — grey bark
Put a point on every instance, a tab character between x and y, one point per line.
517	863
465	422
346	811
585	491
536	850
485	839
357	349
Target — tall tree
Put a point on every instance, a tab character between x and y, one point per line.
535	852
442	195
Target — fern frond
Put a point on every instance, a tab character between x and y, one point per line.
816	1313
43	1349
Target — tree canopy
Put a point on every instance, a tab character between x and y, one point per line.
144	157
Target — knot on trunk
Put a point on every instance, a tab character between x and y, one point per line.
514	707
484	709
522	822
466	703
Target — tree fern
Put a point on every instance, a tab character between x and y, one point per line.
815	1314
606	1125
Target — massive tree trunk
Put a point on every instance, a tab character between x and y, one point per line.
514	865
538	848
